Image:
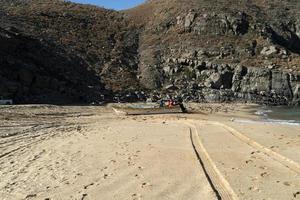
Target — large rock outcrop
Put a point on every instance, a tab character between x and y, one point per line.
219	82
226	50
33	71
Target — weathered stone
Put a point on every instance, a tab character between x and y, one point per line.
281	84
226	77
167	69
241	70
171	87
215	80
189	19
256	80
296	94
267	51
239	23
151	78
179	20
182	61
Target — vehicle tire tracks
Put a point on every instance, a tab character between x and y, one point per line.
219	184
292	165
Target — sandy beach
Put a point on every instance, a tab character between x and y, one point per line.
85	152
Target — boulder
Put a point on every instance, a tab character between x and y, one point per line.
267	51
189	19
214	81
167	70
171	87
239	23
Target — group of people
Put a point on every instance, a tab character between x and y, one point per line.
170	102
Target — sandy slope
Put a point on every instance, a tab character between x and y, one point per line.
49	152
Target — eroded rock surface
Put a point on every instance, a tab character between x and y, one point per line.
56	51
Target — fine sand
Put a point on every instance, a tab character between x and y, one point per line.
52	152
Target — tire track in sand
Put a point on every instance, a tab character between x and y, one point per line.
219	184
292	165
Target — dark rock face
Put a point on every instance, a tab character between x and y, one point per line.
34	72
203	51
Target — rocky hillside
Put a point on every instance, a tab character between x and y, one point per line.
199	50
33	71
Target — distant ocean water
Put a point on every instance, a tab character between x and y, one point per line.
280	115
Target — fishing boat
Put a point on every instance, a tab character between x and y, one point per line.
147	109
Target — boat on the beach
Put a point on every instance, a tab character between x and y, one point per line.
148	109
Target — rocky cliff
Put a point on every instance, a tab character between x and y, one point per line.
33	71
225	50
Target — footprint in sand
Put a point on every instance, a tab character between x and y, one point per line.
145	184
130	158
249	161
130	163
296	194
263	167
104	168
138	176
264	174
83	196
273	147
254	178
105	176
87	186
136	196
252	188
287	183
113	161
253	152
29	196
